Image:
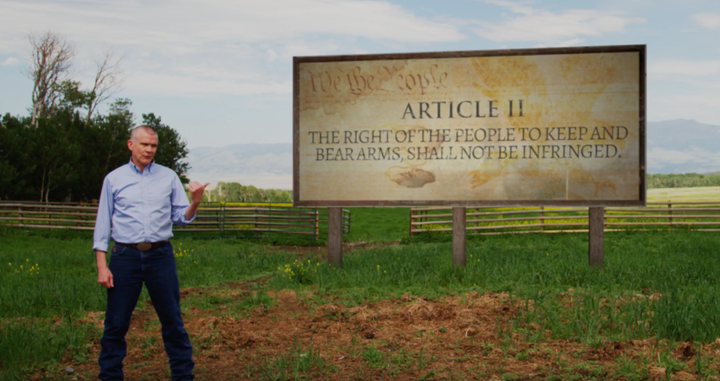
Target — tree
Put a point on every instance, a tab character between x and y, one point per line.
104	147
172	149
51	58
116	128
57	153
16	160
234	192
107	82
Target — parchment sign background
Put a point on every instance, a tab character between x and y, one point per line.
541	127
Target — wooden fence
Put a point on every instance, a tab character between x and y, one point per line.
221	219
696	216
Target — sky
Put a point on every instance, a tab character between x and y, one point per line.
220	71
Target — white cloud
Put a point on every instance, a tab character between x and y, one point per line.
192	86
696	102
302	48
684	88
271	55
10	61
688	68
707	20
176	47
545	26
190	24
573	42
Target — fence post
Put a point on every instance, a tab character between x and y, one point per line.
542	218
596	228
458	245
334	253
411	222
670	213
317	224
221	219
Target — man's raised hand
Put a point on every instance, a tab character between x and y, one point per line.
196	191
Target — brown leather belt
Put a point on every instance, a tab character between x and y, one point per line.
144	246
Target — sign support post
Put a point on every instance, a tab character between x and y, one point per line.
334	253
458	241
596	227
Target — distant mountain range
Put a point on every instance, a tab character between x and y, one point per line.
267	166
673	146
683	146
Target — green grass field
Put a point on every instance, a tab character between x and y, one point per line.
683	194
45	301
557	318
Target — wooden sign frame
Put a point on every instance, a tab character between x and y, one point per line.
339	201
640	49
596	206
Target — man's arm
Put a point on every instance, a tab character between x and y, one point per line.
105	277
196	192
101	235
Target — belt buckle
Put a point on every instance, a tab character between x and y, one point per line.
144	246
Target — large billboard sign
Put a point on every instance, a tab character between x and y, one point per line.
562	126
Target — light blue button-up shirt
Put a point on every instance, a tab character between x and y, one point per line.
140	206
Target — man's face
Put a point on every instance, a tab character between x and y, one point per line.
143	147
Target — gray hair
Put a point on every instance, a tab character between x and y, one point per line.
134	133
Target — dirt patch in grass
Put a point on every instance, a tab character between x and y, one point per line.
321	251
227	289
409	338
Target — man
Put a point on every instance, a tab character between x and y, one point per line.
140	201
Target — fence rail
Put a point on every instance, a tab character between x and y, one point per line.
699	216
212	218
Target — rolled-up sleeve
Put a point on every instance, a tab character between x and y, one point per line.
179	203
101	235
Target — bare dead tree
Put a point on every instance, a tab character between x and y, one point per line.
51	58
108	79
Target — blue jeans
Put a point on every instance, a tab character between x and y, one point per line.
156	268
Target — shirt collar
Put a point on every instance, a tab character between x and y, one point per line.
135	169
